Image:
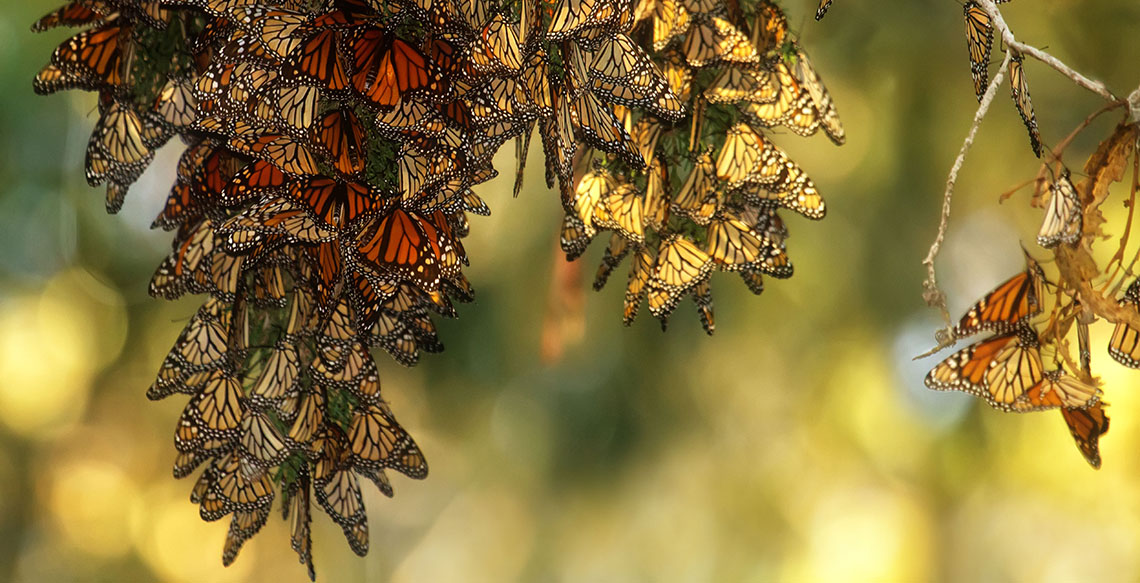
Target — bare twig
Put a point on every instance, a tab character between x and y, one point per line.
931	293
1019	47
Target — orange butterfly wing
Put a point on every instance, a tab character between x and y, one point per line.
1086	426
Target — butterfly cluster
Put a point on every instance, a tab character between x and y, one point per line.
684	197
324	190
1007	369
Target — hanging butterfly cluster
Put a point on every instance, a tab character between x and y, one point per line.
323	193
686	198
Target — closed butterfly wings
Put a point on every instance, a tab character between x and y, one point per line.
1063	214
1124	346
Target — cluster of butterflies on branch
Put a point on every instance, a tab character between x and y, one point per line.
324	190
1007	369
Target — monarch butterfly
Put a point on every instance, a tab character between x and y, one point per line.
410	116
256	178
496	49
377	441
278	377
699	197
784	183
182	204
1063	216
204	341
283	151
193	434
1086	426
625	213
680	79
327	267
793	107
261	440
318	58
635	290
999	369
1124	346
408	244
535	83
600	128
297	105
193	244
575	237
680	265
712	40
309	416
79	13
702	297
276	30
176	103
753	281
297	510
342	136
334	202
615	252
593	189
979	41
740	155
820	98
656	204
621	72
734	245
220	404
1006	307
243	526
1019	91
670	20
822	10
735	84
237	489
580	18
385	68
558	143
118	147
89	60
1058	389
186	463
337	489
770	29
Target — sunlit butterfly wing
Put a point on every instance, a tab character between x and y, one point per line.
1007	306
1086	427
979	41
1063	214
1124	346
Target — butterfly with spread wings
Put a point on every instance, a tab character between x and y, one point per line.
1000	369
1008	306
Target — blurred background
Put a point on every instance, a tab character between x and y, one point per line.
797	444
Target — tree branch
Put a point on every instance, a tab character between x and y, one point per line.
934	296
1021	48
